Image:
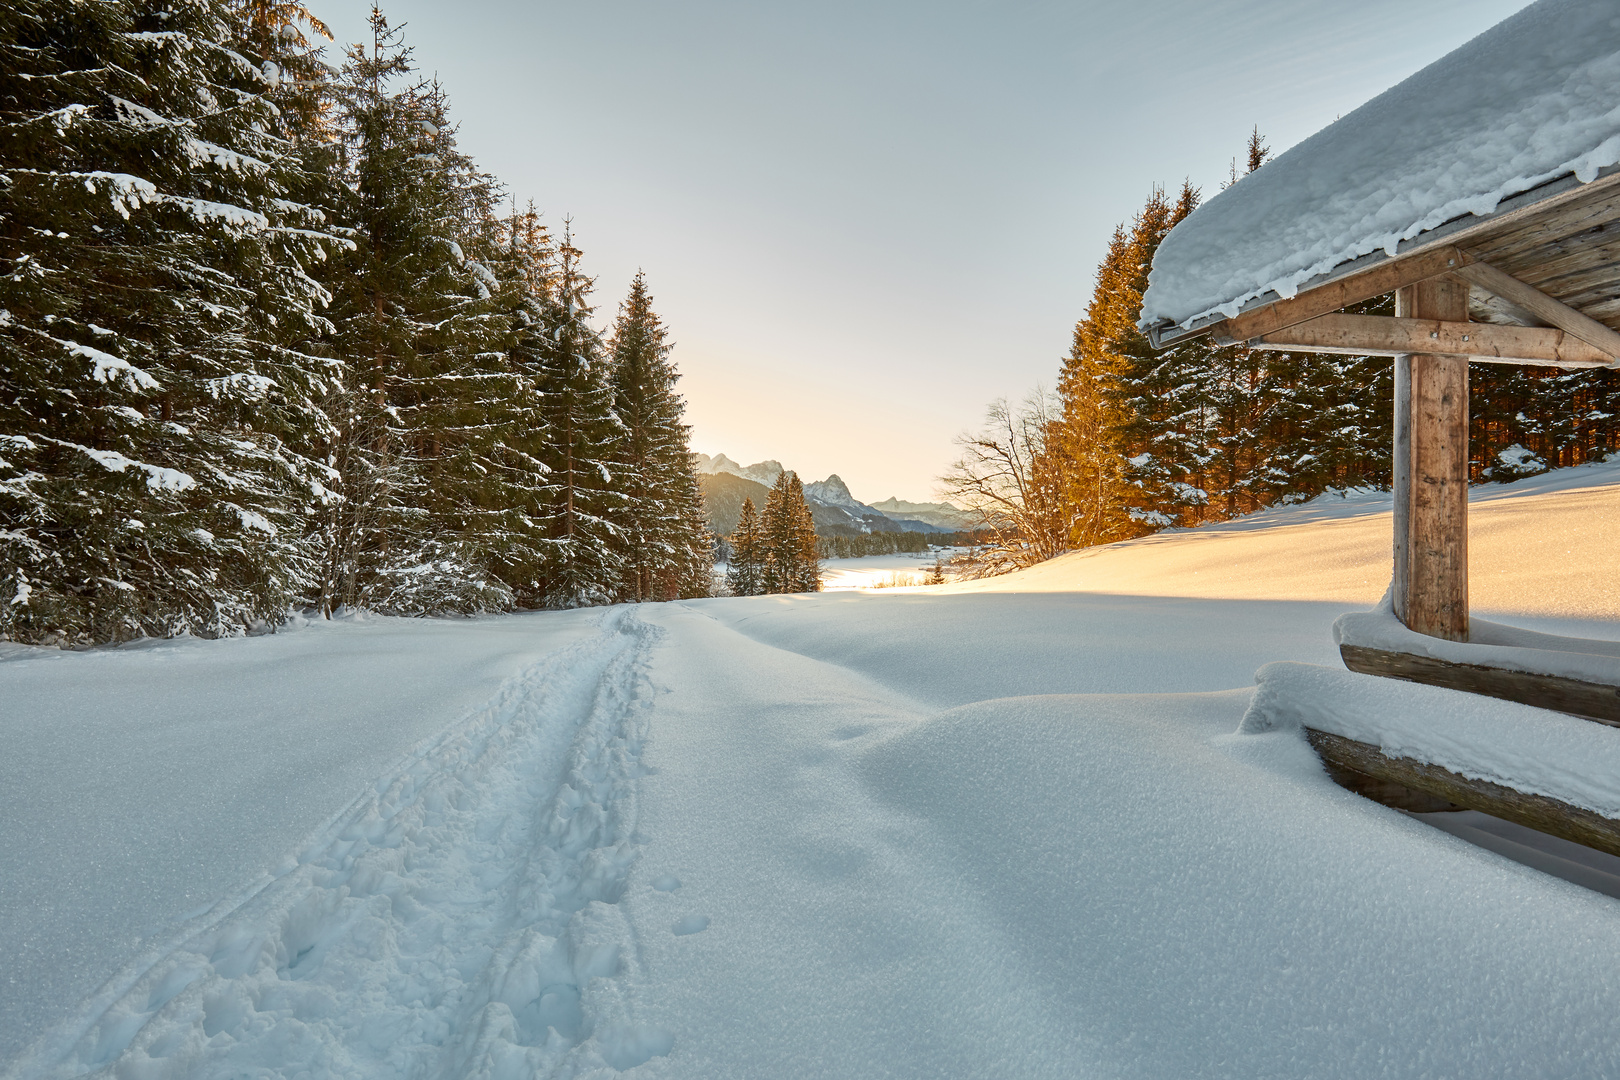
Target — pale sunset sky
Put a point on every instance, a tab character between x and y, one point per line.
864	221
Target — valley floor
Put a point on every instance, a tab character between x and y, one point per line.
989	829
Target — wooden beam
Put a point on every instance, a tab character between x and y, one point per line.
1542	306
1380	335
1588	700
1376	280
1534	811
1431	471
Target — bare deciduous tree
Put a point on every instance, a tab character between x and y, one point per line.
1007	478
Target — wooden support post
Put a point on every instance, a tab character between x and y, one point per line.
1431	471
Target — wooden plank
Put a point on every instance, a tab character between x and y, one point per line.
1578	287
1556	258
1380	335
1542	306
1588	700
1550	221
1537	812
1379	279
1434	599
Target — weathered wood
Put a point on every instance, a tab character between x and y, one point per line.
1542	306
1546	221
1387	792
1538	812
1381	278
1433	594
1380	335
1588	700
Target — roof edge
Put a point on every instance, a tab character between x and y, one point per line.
1166	333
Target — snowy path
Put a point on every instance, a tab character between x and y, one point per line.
459	919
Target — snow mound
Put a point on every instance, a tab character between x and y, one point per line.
1530	100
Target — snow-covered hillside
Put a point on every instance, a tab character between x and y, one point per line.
999	828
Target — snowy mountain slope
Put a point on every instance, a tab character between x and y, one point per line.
761	472
999	828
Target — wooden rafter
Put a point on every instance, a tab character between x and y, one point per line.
1544	307
1382	278
1378	335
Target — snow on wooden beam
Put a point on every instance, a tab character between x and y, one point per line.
1534	811
1378	335
1376	280
1546	308
1589	700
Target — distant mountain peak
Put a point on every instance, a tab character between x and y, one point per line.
761	472
832	491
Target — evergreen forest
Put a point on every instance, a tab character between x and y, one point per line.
1135	440
269	339
775	550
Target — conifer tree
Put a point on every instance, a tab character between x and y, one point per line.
663	540
579	499
152	283
792	557
418	326
746	574
806	552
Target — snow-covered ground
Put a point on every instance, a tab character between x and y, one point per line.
998	828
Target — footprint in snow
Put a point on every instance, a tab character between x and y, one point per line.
692	924
666	883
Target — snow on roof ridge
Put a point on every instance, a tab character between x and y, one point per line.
1533	98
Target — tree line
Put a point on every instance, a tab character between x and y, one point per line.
268	337
1135	440
777	550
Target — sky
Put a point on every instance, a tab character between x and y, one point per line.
864	221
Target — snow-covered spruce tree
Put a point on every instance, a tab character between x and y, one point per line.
518	252
153	288
746	574
578	497
663	541
423	331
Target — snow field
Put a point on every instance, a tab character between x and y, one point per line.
989	829
1071	885
459	919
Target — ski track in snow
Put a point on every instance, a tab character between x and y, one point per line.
462	918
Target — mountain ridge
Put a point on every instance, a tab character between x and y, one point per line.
834	509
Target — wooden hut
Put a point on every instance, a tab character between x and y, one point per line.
1484	192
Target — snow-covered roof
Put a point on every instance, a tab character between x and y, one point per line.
1535	98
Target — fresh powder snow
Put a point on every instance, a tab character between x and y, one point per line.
1012	827
1528	101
